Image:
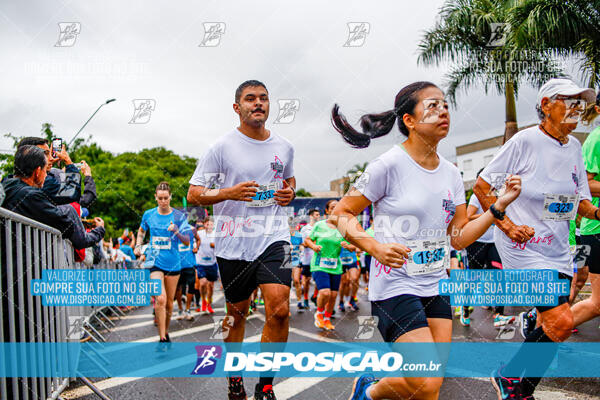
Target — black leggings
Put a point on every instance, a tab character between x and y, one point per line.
482	255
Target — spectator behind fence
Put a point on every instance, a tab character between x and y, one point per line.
25	196
59	191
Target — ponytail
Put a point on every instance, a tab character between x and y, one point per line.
376	125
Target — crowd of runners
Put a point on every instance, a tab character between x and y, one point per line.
247	177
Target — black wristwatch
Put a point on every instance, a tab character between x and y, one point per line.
497	214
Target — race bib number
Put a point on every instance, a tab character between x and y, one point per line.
328	263
427	256
264	196
161	243
560	207
347	260
183	247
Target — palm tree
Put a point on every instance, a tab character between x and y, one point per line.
567	28
463	36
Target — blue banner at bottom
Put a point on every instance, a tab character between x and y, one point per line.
298	359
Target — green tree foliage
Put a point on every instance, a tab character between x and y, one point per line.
126	182
303	193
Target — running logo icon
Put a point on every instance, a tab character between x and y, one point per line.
212	34
214	180
497	35
221	327
357	33
366	327
68	34
361	182
142	110
207	359
287	111
277	166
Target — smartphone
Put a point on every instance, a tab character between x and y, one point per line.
56	145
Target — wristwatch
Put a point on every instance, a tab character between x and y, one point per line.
497	214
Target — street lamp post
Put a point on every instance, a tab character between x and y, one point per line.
86	122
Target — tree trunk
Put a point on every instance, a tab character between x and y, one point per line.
511	112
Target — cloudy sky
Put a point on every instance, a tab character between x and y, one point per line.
153	50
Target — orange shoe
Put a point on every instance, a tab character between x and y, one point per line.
209	308
328	325
204	304
319	321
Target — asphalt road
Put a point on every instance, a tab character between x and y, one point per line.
138	326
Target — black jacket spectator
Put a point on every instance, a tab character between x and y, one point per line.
89	192
65	192
35	204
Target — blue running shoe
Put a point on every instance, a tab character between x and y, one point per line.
360	386
507	388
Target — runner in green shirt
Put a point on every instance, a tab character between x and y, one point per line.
590	229
326	267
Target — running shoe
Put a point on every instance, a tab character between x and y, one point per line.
574	330
162	346
319	321
465	321
353	305
314	299
341	307
306	305
328	325
188	315
265	394
250	310
333	313
507	388
197	309
458	311
359	388
261	302
236	389
300	307
180	314
203	305
527	321
209	308
253	305
501	320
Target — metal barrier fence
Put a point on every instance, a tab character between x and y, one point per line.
26	248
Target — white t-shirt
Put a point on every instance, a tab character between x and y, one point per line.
545	167
410	203
308	253
206	254
243	232
488	236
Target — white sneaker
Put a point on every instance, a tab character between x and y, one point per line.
188	315
180	314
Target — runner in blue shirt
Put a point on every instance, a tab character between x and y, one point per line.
187	278
167	229
296	242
